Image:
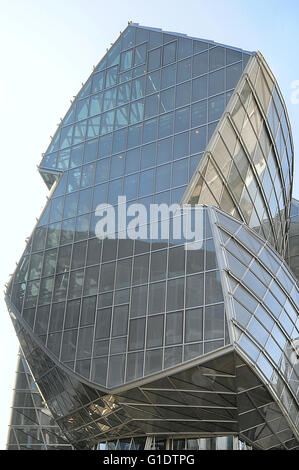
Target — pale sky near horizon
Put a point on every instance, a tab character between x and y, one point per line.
48	48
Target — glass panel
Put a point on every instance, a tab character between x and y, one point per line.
167	100
140	54
153	361
163	177
156	298
99	370
249	347
217	57
154	59
97	82
214	321
148	156
169	53
88	311
199	113
138	88
134	365
216	107
213	288
153	82
172	356
184	47
199	88
102	170
150	129
146	184
164	153
174	328
76	284
184	70
84	347
195	259
69	345
126	60
216	82
165	125
181	145
136	334
176	262
183	93
233	74
107	277
95	104
168	77
151	106
155	331
200	64
136	111
116	370
194	325
138	301
175	294
103	324
111	77
182	119
91	280
140	270
120	320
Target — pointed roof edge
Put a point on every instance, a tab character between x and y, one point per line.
95	68
160	30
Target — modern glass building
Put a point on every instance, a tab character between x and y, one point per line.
149	342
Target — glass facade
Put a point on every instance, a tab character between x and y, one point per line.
121	334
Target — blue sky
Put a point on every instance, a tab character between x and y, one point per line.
48	48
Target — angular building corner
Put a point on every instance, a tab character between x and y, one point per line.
133	344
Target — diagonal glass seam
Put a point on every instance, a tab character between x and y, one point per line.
256	257
257	180
265	121
270	390
208	159
251	163
224	185
282	102
268	385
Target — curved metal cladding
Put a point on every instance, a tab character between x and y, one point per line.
292	255
263	308
247	167
122	335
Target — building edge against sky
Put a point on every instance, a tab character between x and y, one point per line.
163	118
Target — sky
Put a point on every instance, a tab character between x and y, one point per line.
48	48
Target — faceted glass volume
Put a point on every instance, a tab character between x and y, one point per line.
121	334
